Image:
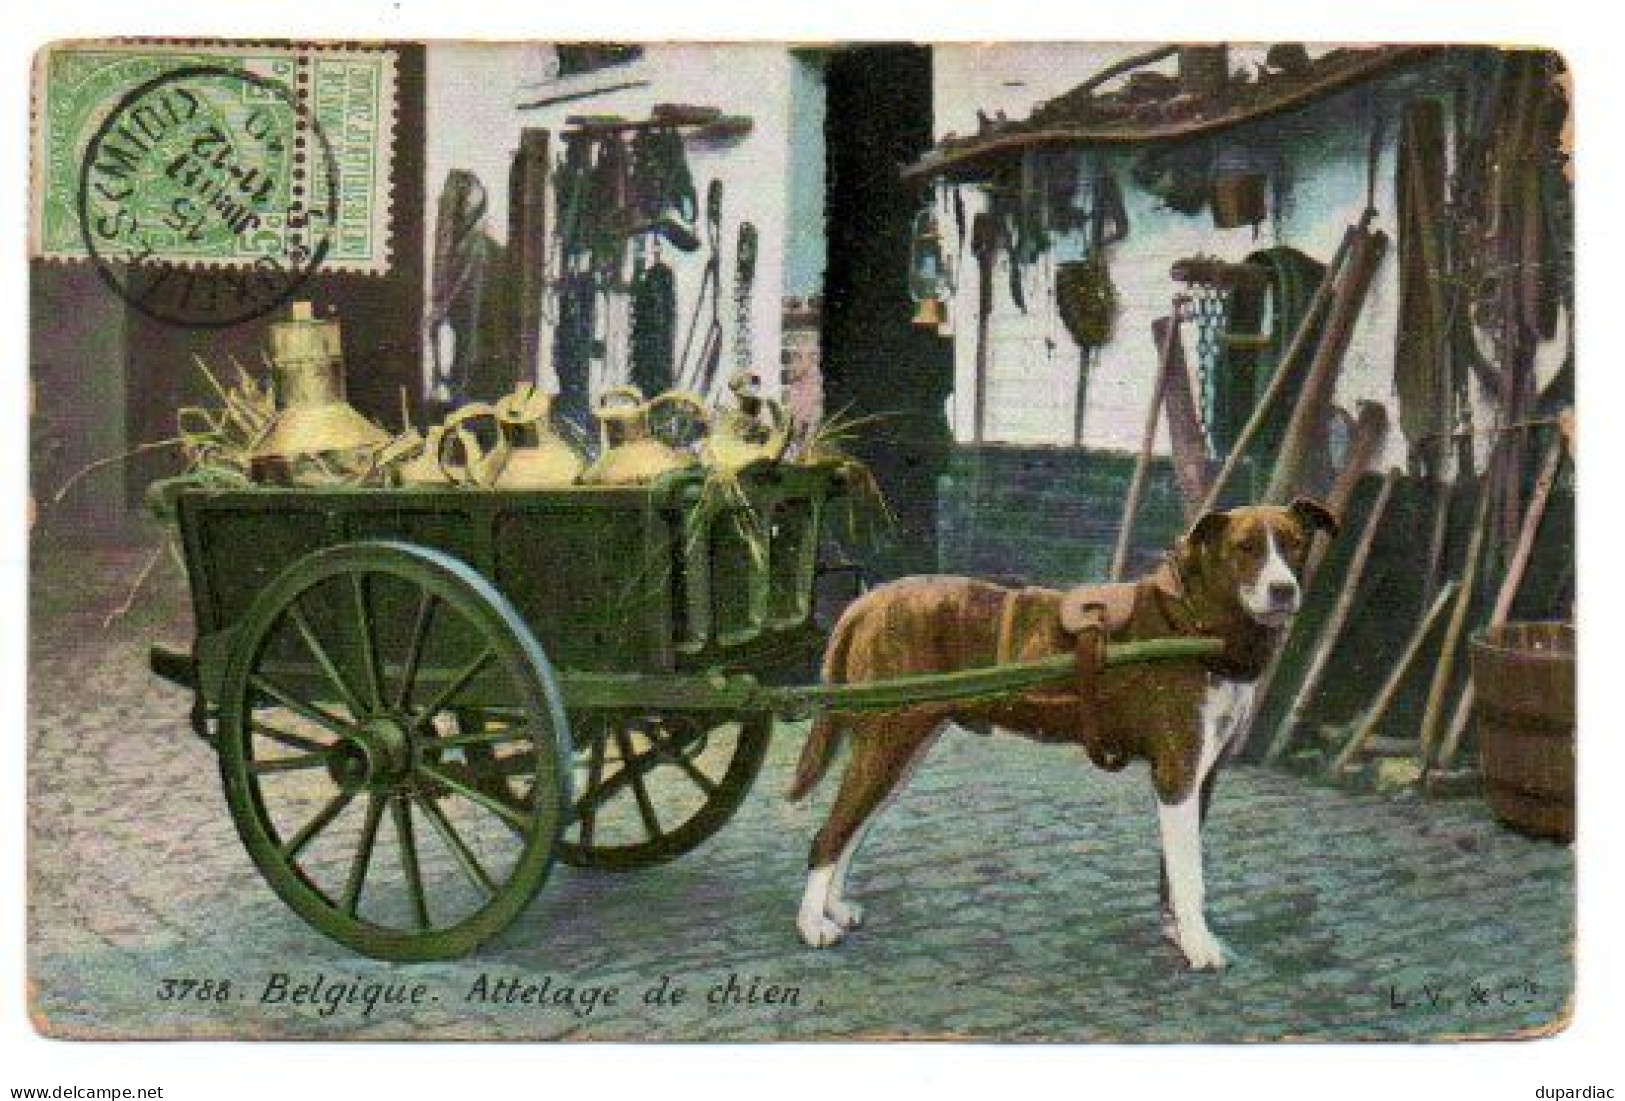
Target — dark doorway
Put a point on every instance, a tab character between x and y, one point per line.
875	363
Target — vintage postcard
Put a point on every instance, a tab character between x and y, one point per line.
619	541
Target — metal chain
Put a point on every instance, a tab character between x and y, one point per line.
1210	310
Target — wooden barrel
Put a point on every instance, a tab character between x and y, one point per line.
1523	687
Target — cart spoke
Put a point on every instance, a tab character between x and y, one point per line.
674	753
500	736
510	814
369	648
587	810
458	683
290	739
414	651
310	711
459	848
640	790
325	660
633	766
292	764
694	773
363	855
324	818
409	859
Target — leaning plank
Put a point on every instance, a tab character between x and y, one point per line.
1185	436
1510	584
1333	629
1390	689
1370	430
1433	711
1308	414
1286	371
1148	439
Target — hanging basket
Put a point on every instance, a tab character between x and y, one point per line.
1240	199
1086	300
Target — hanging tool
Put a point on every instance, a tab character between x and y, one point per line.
698	369
745	252
457	285
653	305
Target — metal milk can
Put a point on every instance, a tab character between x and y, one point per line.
756	429
539	458
629	451
318	438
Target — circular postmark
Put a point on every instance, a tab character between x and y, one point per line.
208	196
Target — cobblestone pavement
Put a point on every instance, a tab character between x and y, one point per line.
1011	894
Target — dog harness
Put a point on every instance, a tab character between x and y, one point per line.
1101	611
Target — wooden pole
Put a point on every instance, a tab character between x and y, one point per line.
1287	368
1390	689
984	243
1510	584
527	248
1370	429
1142	462
1185	437
1308	415
1433	711
1333	629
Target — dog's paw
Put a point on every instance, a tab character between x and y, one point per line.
819	931
1202	950
848	915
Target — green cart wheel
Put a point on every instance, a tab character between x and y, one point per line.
345	770
653	787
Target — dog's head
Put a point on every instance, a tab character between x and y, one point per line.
1254	556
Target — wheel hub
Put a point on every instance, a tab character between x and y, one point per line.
377	755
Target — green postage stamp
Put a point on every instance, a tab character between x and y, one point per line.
138	144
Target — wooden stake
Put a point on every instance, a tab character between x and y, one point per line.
1433	712
1142	462
1308	415
1287	368
1385	698
1370	429
984	243
1185	437
1333	628
1510	585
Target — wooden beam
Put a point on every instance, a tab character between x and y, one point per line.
1307	422
1332	630
1148	437
1433	711
1510	585
1287	369
1390	689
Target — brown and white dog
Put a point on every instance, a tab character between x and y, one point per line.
1234	576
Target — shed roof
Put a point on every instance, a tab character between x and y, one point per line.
1149	111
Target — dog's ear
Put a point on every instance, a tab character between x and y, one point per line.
1312	514
1208	530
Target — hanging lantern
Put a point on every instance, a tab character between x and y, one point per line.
928	278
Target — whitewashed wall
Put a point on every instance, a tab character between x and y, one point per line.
1033	362
473	123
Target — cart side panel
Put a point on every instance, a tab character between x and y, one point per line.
592	577
589	572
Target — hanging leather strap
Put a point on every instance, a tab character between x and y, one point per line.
1089	657
1089	621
